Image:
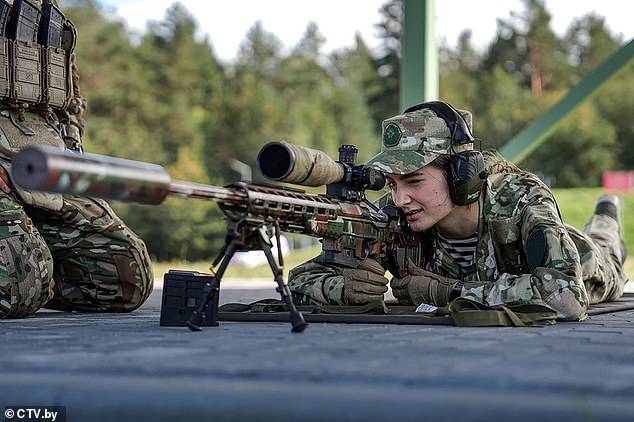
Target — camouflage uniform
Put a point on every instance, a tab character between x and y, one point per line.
577	267
97	263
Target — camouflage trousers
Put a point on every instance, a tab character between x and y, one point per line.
601	254
97	263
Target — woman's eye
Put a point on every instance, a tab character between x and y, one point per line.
414	181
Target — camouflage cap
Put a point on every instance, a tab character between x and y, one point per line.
413	140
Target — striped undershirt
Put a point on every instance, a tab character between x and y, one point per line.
461	250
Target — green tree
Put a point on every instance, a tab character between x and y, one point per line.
590	43
185	82
112	81
309	94
529	50
386	102
251	110
181	114
459	73
585	137
355	72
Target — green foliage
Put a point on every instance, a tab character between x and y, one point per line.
615	101
588	138
529	50
162	96
502	107
385	102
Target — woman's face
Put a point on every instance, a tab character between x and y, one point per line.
423	196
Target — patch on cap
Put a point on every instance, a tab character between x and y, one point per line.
391	135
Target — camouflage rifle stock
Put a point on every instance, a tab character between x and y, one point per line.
349	232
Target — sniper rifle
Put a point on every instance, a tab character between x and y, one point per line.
349	231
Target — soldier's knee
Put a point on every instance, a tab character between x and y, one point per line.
26	269
117	283
135	270
115	277
135	275
100	264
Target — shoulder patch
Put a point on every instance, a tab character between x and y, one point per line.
536	249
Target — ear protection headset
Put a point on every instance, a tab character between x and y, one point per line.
466	170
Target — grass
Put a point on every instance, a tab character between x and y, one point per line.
576	207
629	269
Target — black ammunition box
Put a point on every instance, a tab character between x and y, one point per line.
182	294
51	26
24	21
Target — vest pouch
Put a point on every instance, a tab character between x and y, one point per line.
12	139
54	77
26	68
4	67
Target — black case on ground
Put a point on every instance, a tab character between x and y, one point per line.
182	291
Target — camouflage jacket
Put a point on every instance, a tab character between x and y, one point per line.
514	206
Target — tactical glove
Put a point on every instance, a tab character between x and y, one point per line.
51	290
5	184
422	286
364	284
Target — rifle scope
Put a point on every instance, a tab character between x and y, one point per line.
284	162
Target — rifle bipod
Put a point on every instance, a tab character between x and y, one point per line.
245	238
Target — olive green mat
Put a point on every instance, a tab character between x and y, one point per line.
397	314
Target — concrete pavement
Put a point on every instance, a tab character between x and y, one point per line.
128	368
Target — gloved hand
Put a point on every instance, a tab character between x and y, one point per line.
422	286
5	184
51	289
364	284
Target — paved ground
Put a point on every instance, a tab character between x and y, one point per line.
127	368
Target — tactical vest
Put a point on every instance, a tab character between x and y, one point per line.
36	86
35	51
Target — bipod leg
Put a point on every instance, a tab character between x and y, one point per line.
210	292
297	319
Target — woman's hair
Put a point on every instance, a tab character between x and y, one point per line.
493	161
442	163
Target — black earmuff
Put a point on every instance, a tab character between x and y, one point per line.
466	170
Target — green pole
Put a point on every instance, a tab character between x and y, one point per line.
419	53
534	134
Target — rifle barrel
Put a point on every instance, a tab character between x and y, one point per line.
44	168
50	169
200	191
